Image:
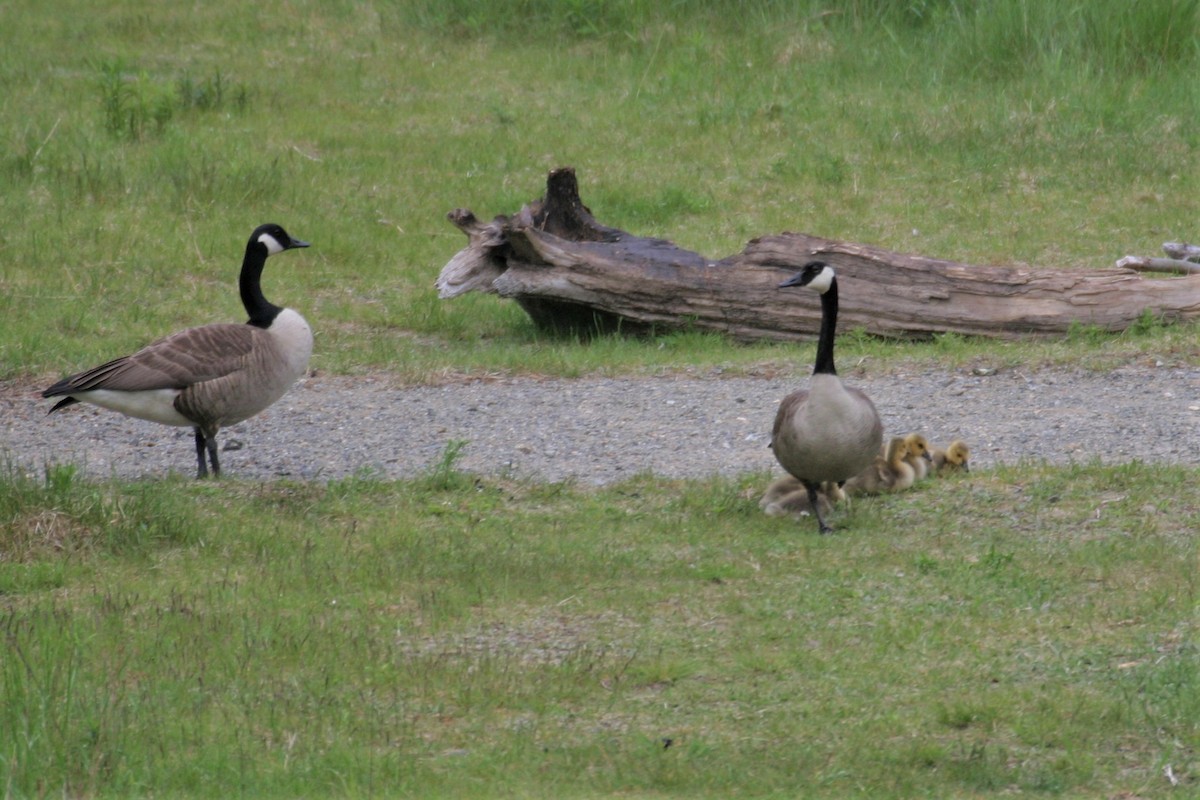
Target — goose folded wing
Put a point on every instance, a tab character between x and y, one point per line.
174	362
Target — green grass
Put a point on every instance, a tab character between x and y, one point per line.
1052	134
1025	630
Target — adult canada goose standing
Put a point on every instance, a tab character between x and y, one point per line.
211	376
828	432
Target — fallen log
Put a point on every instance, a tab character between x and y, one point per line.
572	274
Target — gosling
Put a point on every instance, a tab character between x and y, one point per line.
890	473
956	456
788	497
919	457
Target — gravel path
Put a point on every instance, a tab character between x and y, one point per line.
603	430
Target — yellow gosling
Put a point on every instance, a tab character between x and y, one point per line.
956	456
891	473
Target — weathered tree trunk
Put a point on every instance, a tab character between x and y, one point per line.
570	273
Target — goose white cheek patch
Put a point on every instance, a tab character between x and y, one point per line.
273	245
823	281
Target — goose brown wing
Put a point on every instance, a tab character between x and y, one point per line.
174	362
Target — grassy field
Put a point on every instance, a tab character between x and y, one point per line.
143	145
1026	630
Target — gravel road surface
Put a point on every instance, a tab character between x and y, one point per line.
600	430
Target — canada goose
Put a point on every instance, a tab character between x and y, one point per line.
890	473
828	432
786	496
956	456
211	376
919	457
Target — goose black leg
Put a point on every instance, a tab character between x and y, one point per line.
206	444
813	501
201	464
212	455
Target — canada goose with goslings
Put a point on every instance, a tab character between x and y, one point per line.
211	376
827	432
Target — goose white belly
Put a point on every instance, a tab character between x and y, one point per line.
155	405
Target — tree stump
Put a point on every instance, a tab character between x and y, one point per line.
572	274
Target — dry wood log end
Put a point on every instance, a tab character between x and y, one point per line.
476	266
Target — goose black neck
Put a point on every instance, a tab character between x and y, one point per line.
262	312
829	311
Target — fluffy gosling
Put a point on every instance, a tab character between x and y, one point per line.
788	497
919	457
890	473
956	456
